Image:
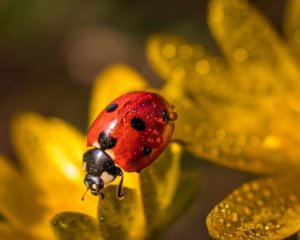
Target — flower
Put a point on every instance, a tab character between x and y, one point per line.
243	113
49	186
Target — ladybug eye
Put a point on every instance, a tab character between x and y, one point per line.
112	107
137	123
169	116
147	150
166	116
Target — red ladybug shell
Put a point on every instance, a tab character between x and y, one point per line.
140	124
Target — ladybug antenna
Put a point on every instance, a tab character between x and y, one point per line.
82	199
120	195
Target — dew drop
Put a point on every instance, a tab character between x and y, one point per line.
202	67
240	55
185	51
234	217
169	51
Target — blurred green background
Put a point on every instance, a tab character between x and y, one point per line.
51	51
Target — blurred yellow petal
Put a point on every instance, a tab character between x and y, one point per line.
8	232
18	197
237	136
292	25
121	219
244	131
187	189
112	83
260	60
74	226
51	155
159	182
261	209
202	74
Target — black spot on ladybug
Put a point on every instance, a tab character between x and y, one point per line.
112	107
147	150
166	116
106	141
137	123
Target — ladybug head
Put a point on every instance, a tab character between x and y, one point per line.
94	164
100	170
94	184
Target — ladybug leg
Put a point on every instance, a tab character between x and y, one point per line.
120	195
101	195
116	171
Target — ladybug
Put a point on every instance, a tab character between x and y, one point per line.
132	131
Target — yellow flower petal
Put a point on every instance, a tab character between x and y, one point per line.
176	60
72	225
262	64
240	131
112	83
158	185
187	189
123	219
8	232
261	209
18	197
292	25
51	155
236	135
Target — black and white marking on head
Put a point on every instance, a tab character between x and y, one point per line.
111	107
106	141
137	123
147	150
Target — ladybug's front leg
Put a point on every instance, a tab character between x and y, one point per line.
116	171
120	195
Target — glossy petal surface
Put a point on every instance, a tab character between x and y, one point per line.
261	209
